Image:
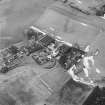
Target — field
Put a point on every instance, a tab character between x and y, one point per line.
18	15
31	84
